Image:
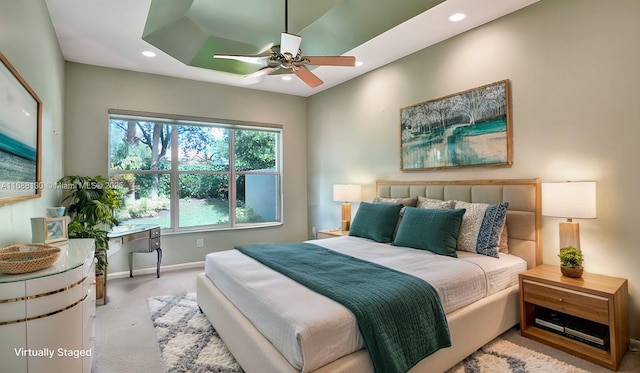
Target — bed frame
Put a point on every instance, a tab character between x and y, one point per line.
470	327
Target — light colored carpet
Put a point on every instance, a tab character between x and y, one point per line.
188	343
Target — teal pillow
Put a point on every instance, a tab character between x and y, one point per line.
430	229
375	221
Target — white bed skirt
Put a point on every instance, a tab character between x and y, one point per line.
471	327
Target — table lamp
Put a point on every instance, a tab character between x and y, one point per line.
346	193
570	200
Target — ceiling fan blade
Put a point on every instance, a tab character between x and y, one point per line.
254	59
262	72
307	76
289	43
331	60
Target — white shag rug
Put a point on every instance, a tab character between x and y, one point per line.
190	344
503	356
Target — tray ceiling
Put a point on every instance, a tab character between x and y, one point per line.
184	34
193	31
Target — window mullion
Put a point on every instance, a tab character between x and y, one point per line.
279	168
232	178
174	180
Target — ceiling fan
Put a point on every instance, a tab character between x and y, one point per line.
288	56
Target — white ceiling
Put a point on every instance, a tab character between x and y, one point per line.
108	33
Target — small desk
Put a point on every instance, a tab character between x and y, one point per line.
138	238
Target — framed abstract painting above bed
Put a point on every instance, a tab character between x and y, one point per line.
274	318
20	137
470	128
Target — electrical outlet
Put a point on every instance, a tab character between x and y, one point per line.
199	242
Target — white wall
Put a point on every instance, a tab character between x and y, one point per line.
91	91
573	66
29	42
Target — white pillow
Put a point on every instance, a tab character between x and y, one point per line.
431	203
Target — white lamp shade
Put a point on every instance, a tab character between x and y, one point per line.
571	200
347	192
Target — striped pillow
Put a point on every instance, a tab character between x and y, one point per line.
481	227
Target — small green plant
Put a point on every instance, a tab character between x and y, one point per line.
570	257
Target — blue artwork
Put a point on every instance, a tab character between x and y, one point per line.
471	128
19	137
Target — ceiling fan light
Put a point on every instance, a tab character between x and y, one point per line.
289	44
359	63
286	77
148	54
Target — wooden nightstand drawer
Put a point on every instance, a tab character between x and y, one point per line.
584	305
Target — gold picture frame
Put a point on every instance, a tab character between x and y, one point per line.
466	129
48	230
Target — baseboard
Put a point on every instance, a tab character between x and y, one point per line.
152	270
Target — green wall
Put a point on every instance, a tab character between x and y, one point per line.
91	91
573	66
29	42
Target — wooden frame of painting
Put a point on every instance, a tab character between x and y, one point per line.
20	137
470	128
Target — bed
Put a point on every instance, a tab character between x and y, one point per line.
258	338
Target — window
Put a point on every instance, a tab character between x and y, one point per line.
187	174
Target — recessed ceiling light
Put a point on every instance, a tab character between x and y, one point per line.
148	54
457	17
286	77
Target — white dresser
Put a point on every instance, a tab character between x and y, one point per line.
47	317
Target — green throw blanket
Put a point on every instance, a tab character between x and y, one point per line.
400	316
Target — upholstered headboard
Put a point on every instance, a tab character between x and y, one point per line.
523	215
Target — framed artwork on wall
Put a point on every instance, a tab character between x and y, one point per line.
48	230
470	128
20	137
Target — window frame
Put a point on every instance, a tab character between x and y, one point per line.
174	172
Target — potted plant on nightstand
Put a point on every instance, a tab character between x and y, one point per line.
571	261
92	203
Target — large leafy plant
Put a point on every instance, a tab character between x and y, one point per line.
92	203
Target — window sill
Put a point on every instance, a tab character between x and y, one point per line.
223	229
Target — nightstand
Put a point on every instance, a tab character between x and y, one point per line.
329	233
598	298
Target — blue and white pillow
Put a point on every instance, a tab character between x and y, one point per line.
481	227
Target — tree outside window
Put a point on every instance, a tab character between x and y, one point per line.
178	173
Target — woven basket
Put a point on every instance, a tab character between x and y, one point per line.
27	258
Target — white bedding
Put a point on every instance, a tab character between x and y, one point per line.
311	330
